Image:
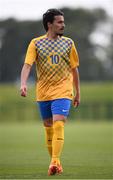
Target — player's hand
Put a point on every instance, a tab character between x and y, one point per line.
76	100
23	91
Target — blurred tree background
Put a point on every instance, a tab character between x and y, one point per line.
96	60
92	33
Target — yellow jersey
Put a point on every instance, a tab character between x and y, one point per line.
54	61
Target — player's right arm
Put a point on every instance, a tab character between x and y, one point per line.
29	60
24	77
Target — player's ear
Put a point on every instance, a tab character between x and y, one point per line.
49	25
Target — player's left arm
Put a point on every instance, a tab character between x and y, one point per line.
76	83
74	61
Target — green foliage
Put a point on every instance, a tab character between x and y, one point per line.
87	152
96	102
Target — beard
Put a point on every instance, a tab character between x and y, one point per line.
60	34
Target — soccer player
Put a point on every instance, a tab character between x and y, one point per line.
57	64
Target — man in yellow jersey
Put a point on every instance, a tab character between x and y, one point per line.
57	64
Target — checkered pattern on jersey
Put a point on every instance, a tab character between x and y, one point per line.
47	48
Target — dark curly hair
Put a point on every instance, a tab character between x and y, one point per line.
49	16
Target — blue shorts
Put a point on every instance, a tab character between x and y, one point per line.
52	107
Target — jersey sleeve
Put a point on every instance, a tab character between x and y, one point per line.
31	53
74	59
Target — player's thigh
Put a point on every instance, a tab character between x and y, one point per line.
45	111
60	109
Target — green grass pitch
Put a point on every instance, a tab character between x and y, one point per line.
87	152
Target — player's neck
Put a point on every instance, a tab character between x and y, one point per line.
52	35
